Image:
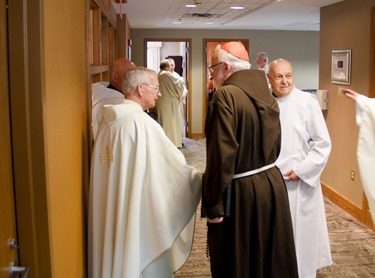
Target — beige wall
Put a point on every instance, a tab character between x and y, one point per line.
345	25
301	48
66	133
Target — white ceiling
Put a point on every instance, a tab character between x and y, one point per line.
300	15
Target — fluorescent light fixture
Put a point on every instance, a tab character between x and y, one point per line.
190	6
176	22
237	8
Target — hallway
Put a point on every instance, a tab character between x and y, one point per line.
352	243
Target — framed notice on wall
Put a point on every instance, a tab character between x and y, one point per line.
341	66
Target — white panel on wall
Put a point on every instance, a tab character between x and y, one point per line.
322	96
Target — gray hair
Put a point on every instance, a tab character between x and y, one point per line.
264	55
171	60
164	64
135	77
236	63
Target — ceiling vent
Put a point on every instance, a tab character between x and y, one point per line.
201	15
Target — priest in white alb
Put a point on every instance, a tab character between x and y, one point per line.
143	195
305	148
168	106
365	119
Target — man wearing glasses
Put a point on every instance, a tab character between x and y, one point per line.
143	195
244	195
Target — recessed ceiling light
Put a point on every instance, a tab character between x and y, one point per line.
237	8
190	6
176	22
210	23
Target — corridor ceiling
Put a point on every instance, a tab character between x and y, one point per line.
300	15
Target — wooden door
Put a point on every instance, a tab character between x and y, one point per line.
366	214
372	55
8	233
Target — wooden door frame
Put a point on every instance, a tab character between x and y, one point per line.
372	56
26	89
366	215
8	228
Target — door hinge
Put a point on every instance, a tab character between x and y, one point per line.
18	271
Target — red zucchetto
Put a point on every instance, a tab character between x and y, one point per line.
236	48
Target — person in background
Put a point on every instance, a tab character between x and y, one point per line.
184	95
108	93
305	148
143	195
244	196
172	68
365	119
262	61
168	106
211	88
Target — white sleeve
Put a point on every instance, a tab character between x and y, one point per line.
360	102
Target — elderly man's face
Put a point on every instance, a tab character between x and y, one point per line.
217	71
281	78
261	61
150	92
172	67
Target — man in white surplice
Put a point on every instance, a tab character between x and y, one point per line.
143	195
168	106
365	119
103	93
183	97
305	148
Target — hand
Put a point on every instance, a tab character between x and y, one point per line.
291	176
215	220
350	94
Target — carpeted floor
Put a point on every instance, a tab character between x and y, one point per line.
352	243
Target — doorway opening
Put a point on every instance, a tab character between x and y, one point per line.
180	51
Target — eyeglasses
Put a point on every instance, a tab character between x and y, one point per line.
156	88
211	69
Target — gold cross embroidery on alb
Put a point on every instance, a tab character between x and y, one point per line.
106	156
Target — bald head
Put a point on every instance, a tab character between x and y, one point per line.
280	76
119	67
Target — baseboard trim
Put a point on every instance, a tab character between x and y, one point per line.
348	206
197	136
342	202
